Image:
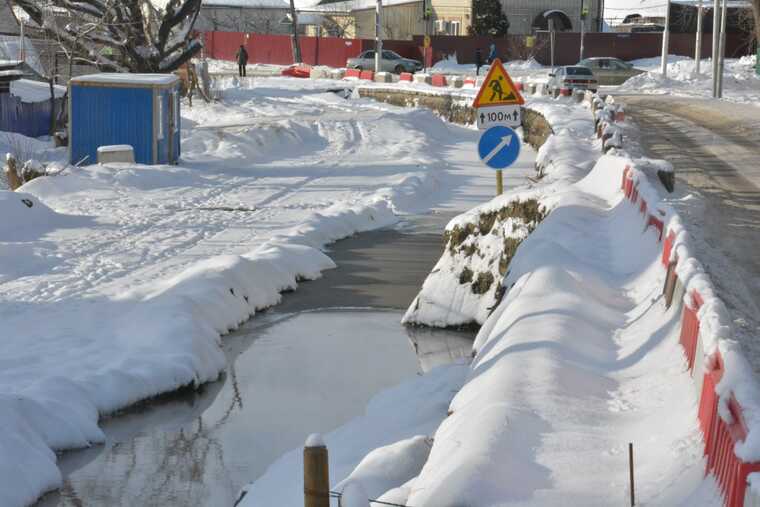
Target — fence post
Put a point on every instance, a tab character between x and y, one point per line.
316	477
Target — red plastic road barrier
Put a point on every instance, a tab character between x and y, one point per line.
667	248
367	75
619	116
520	86
657	223
690	328
628	186
625	175
353	73
565	92
643	207
470	81
438	80
721	437
634	192
405	76
297	71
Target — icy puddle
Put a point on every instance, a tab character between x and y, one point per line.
289	375
309	365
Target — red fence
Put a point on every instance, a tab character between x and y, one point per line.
277	49
720	436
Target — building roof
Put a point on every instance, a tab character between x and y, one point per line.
117	78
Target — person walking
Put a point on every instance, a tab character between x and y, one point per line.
492	53
478	61
242	59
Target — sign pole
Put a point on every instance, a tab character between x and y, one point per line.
378	35
499	183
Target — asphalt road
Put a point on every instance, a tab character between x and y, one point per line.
715	149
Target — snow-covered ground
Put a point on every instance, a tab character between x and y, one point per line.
740	82
118	280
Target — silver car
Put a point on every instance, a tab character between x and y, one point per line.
390	62
572	77
610	71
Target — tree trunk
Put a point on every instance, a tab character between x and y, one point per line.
756	12
294	36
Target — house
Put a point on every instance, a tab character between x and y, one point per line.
454	17
403	19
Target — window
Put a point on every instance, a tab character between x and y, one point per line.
391	55
368	54
578	71
455	28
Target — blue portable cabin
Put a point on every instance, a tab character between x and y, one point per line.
141	110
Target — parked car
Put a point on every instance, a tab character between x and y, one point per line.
572	77
390	62
610	71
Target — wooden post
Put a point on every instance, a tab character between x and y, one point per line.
630	471
316	477
499	183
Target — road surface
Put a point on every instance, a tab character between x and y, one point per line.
715	149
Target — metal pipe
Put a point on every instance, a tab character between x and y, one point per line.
722	49
378	35
665	43
716	29
698	49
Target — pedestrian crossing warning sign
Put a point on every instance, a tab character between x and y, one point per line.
498	89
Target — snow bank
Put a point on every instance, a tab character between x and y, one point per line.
575	362
740	81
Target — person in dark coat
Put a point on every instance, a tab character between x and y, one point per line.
242	59
478	61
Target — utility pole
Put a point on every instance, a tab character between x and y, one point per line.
378	35
716	29
722	48
584	12
21	55
698	50
551	39
665	43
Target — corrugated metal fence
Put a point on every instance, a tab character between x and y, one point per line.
28	118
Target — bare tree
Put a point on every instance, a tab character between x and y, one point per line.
756	12
122	35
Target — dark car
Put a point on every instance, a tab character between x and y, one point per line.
610	71
572	78
390	62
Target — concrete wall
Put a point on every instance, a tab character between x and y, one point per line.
400	22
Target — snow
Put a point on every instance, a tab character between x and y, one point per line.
127	79
35	91
740	82
315	440
10	49
119	280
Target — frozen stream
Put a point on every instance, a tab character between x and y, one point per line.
310	364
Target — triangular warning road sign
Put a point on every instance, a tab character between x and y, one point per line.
498	89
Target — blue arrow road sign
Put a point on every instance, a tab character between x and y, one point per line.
499	147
